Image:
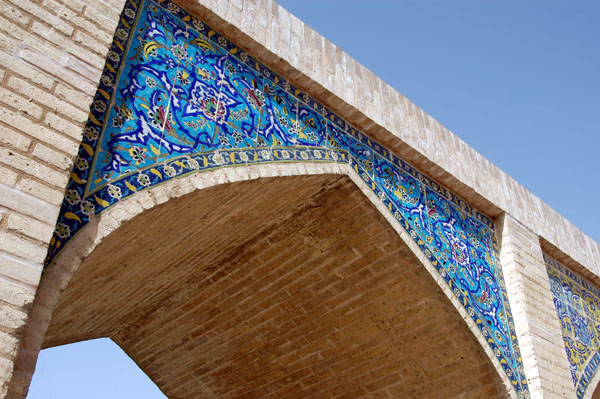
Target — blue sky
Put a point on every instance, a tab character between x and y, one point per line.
96	369
517	80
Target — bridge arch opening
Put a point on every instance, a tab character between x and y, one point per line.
276	287
93	369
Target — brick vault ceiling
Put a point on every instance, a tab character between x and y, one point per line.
275	288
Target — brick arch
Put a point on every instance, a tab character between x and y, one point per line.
60	273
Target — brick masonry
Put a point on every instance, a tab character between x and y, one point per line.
51	56
48	75
277	295
537	325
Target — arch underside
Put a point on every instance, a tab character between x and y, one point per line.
283	287
177	98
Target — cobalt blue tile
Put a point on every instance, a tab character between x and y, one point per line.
336	137
555	283
582	331
279	123
312	127
363	156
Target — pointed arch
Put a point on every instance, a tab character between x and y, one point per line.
66	265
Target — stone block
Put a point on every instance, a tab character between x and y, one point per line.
7	176
52	157
14	139
38	131
22	247
26	204
30	227
40	190
21	270
11	318
32	92
20	104
15	295
33	168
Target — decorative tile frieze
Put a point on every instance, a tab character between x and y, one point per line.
577	303
176	98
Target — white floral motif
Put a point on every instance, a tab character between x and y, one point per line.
90	133
143	180
81	163
173	8
106	80
114	191
179	51
62	230
192	164
129	12
121	34
218	158
72	197
170	170
99	106
113	56
87	207
197	24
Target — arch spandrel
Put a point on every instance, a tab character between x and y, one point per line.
577	304
177	98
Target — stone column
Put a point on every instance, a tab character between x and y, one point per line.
536	323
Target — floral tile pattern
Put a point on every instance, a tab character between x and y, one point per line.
177	98
577	304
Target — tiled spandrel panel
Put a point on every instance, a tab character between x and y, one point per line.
577	303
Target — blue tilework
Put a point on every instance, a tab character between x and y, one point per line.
577	303
177	98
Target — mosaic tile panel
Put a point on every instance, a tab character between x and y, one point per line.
177	98
577	303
